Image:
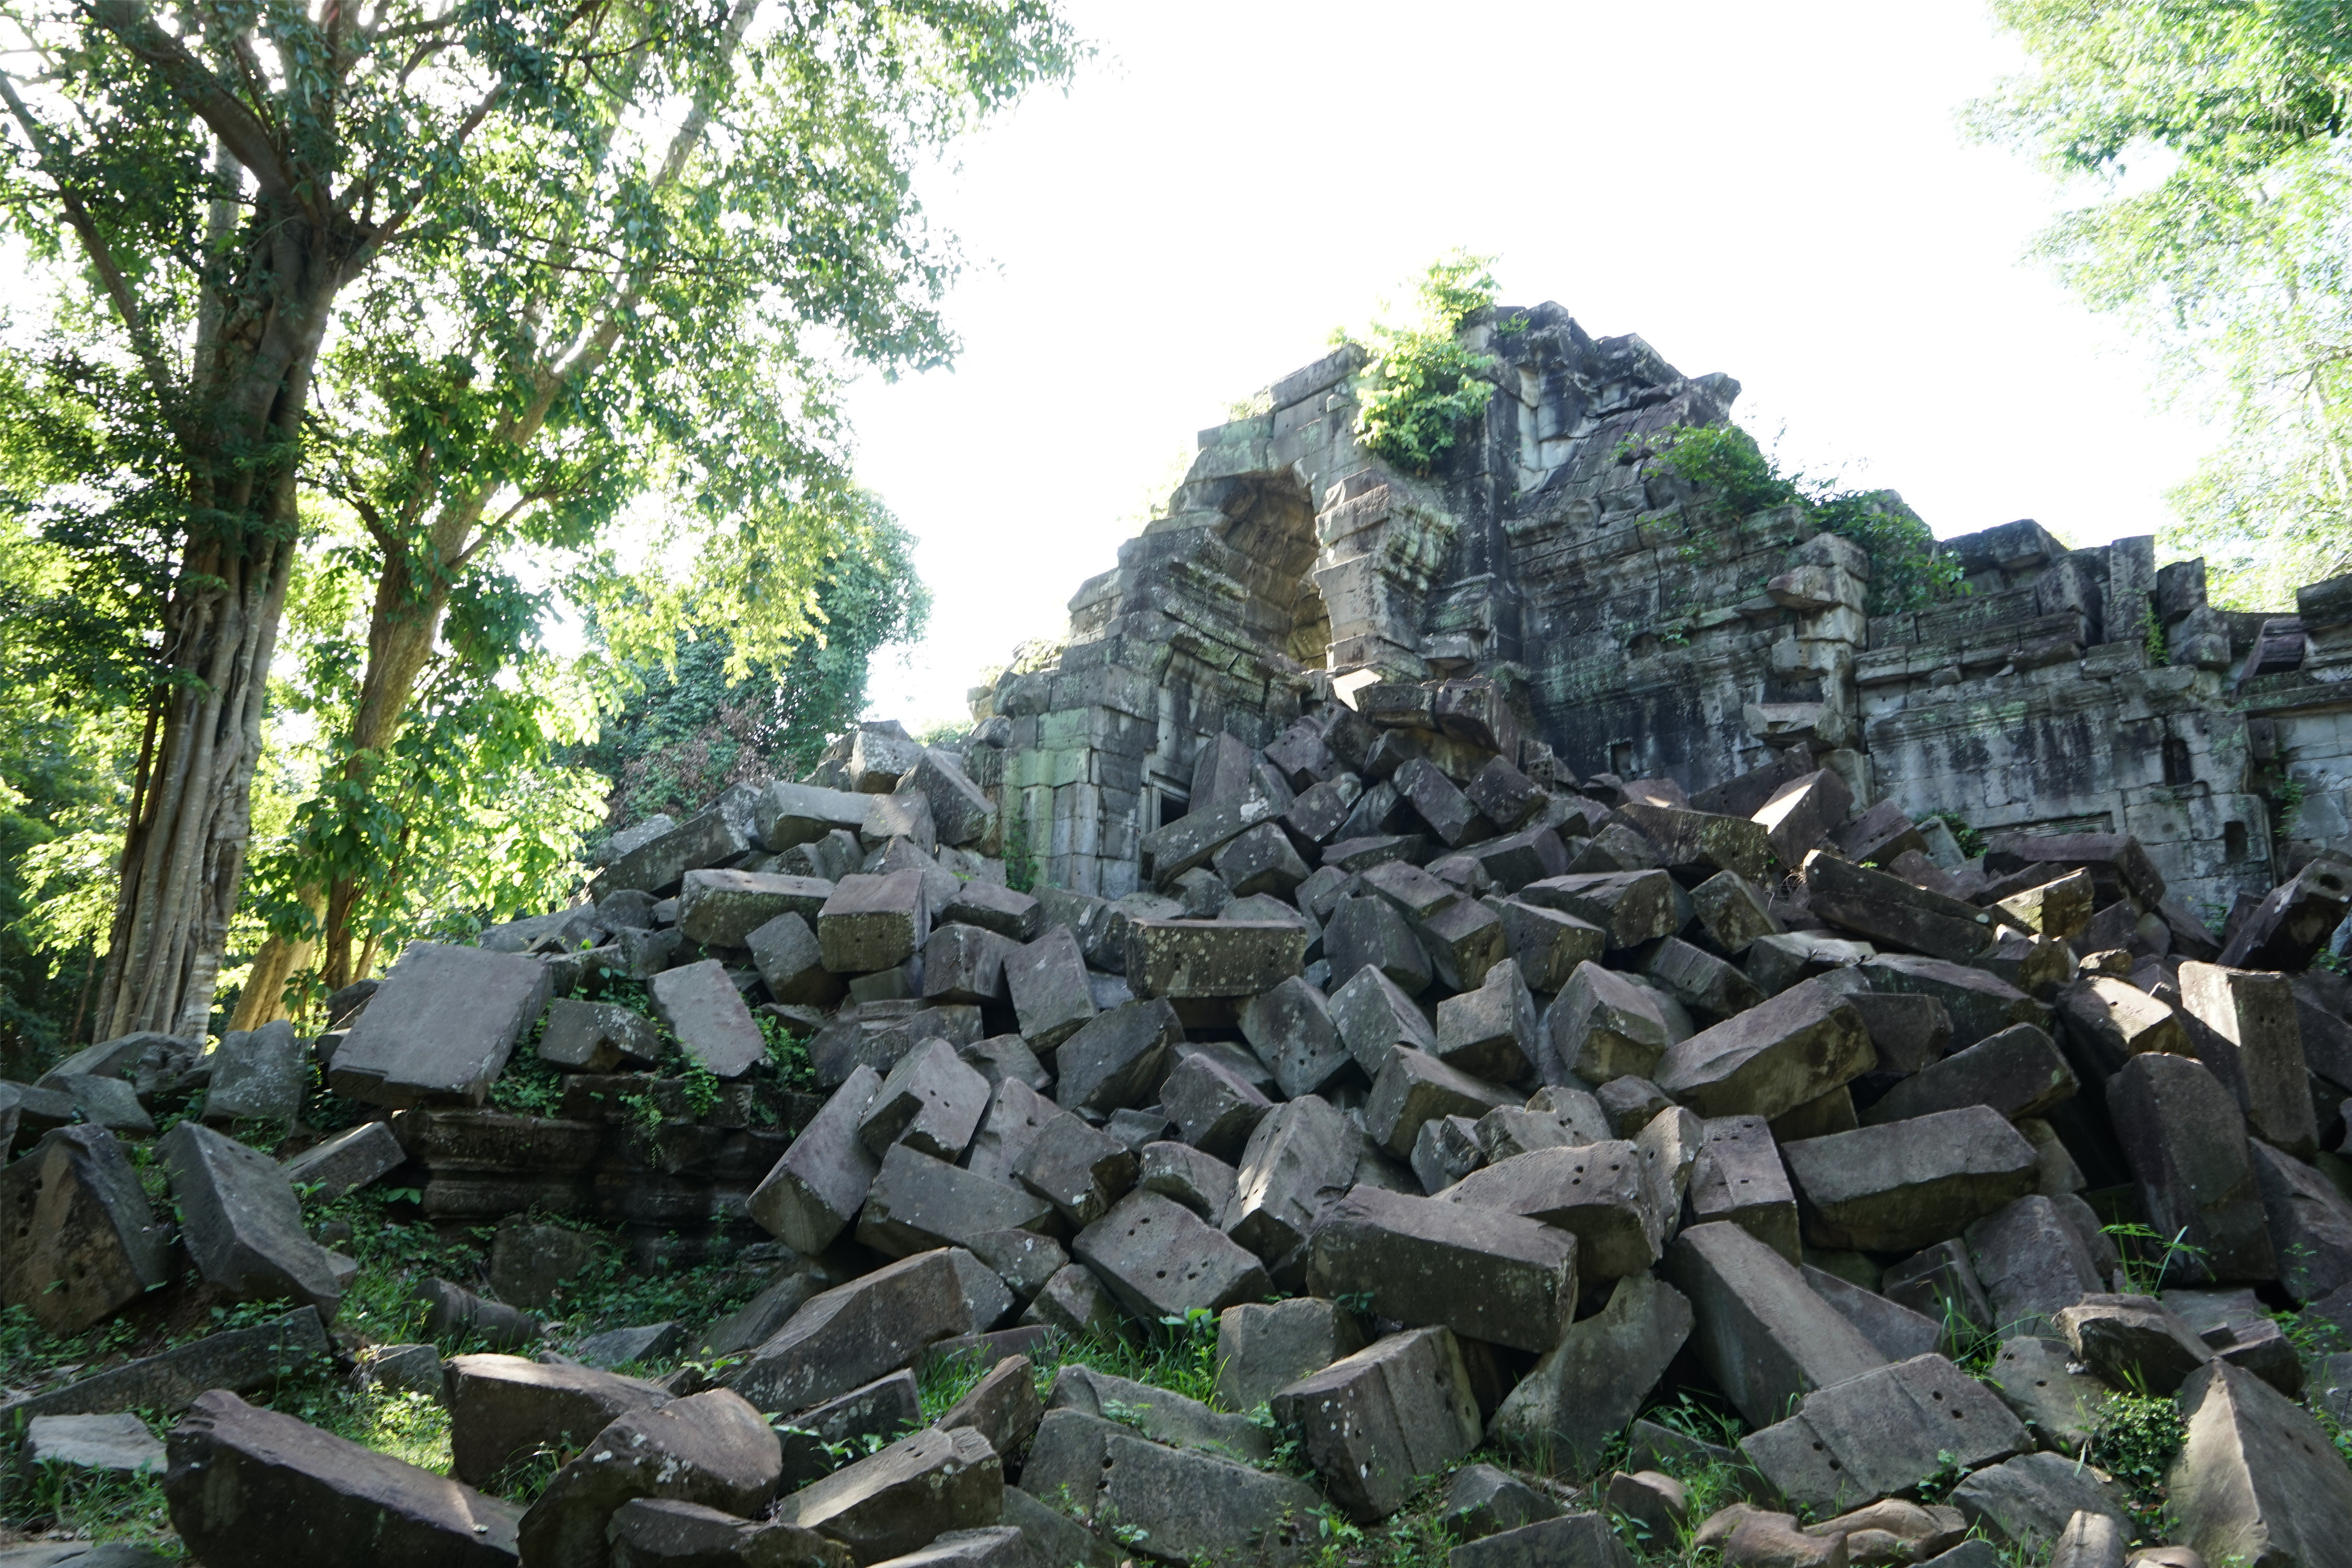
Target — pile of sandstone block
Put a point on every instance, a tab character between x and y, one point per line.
1474	1111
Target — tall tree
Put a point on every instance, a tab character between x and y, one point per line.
2212	132
226	174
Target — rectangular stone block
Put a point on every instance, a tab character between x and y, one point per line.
918	1201
1162	1260
722	909
1048	979
439	1029
703	1009
1791	1049
1737	1177
1484	1275
1884	1432
873	923
1374	1424
1761	1333
1212	958
1904	1184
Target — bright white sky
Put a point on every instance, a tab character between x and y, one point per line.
1777	191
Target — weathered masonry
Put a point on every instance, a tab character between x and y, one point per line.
1559	595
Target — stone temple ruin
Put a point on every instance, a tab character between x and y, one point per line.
1586	613
1491	985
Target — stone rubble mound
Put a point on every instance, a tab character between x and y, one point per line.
1480	1111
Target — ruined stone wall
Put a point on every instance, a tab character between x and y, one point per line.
1632	628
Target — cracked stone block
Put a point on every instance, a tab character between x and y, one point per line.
2109	1021
242	1224
1266	1346
1291	1029
2257	1480
1586	1388
1761	1333
504	1407
1214	1106
1445	1151
886	1408
259	1074
252	1486
2310	1225
1414	1086
1484	1275
1734	912
707	1012
1373	1424
1212	958
2019	1072
2294	919
961	811
1048	981
723	908
1600	1193
1015	1112
1367	932
1603	1025
1114	1060
1629	907
441	1027
79	1241
2255	1013
1170	851
1300	1158
1078	1169
902	1499
712	1448
872	924
1159	1260
1490	1033
1791	1049
966	963
719	834
1002	1406
1738	1176
1940	1282
932	1102
1882	1432
919	1202
2186	1141
1906	1184
807	1199
1446	810
346	1161
2031	1264
1630	1103
1548	945
597	1037
845	1337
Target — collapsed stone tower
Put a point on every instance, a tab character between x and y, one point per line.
1558	594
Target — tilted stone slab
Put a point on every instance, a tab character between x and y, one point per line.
346	1161
900	1500
708	1015
1160	1414
242	1224
237	1360
808	1198
1412	1088
1602	1026
2186	1140
789	813
1183	1505
1116	1058
2032	1264
1300	1161
1629	907
258	1075
1791	1049
597	1036
2019	1072
1884	1432
1904	1185
1738	1176
1048	979
1212	958
1162	1260
2255	1013
1484	1275
1702	841
1765	1338
1291	1029
439	1029
253	1485
919	1202
853	1333
933	1101
712	1448
1979	1004
2257	1480
1548	945
1600	1193
1266	1346
1891	912
1374	1424
722	909
78	1241
1585	1389
504	1407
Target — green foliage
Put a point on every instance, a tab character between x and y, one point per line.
94	1505
787	1054
694	722
1020	859
1180	1354
1740	478
2231	263
1420	388
2148	1256
2136	1438
2151	626
1972	842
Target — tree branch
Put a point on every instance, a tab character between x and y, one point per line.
246	138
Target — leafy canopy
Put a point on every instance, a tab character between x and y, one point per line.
2210	135
1421	387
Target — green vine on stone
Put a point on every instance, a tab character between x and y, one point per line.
1421	387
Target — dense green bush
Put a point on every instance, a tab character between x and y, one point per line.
1421	387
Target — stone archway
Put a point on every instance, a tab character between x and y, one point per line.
1271	526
